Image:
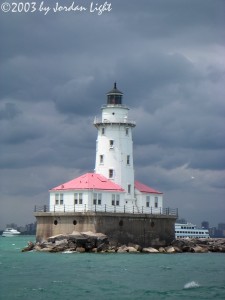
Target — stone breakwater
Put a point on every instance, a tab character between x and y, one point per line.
98	242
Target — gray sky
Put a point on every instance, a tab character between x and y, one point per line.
167	57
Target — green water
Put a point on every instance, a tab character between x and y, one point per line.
48	276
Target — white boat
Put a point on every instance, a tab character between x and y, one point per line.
188	230
10	232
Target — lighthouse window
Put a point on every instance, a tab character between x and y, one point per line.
129	188
97	199
111	173
101	159
78	198
128	159
103	131
156	202
61	199
111	143
115	199
127	131
56	199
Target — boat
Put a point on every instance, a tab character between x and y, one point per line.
10	232
189	231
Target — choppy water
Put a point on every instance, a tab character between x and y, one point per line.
48	276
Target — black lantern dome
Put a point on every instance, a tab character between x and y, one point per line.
114	96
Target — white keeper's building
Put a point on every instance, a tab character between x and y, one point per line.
112	187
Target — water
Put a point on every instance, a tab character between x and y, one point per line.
48	276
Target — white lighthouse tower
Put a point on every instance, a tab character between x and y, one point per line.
114	145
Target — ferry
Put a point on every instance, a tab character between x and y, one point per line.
189	231
8	232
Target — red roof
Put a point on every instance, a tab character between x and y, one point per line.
89	181
144	188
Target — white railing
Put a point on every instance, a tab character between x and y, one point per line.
106	209
120	121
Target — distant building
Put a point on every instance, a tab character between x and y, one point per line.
205	224
221	229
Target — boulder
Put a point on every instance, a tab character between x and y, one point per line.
162	250
199	249
45	249
80	249
170	249
132	250
177	249
61	242
150	250
102	247
30	246
122	249
136	246
58	237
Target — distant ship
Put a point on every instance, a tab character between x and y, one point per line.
190	231
8	232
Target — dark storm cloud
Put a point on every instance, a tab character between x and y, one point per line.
167	58
9	111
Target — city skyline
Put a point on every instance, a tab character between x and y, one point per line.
167	57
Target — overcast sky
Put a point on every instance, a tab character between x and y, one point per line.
167	56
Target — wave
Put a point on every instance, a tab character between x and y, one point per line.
191	285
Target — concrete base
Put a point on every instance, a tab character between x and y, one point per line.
145	230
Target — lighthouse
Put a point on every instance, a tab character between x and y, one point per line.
112	186
114	145
109	200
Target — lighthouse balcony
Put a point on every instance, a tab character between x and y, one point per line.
122	121
123	209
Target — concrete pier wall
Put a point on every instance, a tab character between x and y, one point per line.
145	230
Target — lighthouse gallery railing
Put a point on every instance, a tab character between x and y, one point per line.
107	209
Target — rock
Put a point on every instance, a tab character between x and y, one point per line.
80	249
102	247
177	249
162	250
122	249
136	246
30	246
150	250
58	237
77	233
45	250
111	250
199	249
98	242
37	248
61	242
170	249
132	250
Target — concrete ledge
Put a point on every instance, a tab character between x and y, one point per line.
105	214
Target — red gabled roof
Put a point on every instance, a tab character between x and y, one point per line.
144	188
89	181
